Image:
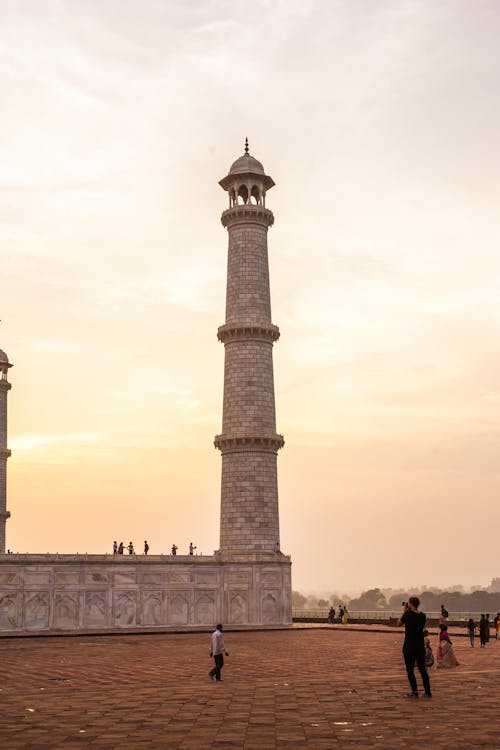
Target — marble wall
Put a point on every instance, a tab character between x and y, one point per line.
85	593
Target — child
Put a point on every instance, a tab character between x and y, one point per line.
429	656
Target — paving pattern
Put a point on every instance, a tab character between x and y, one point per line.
305	688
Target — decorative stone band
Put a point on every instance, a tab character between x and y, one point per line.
229	333
5	385
247	213
5	453
241	444
4	515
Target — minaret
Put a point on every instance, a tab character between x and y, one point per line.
5	386
249	444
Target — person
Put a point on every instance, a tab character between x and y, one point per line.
120	548
471	628
217	650
191	548
429	656
487	628
413	646
341	612
331	615
483	627
277	547
130	548
445	653
174	549
115	548
444	612
496	623
345	615
146	547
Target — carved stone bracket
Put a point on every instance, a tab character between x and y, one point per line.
271	443
245	213
229	333
5	453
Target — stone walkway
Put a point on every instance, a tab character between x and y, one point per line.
318	688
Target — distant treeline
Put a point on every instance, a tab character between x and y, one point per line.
431	600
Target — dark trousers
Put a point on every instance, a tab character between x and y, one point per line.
410	657
219	663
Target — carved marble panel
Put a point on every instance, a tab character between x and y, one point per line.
124	577
178	609
124	608
204	609
9	578
179	576
9	610
66	610
96	576
233	576
270	607
36	609
271	577
95	609
152	608
154	577
38	578
206	576
238	607
64	576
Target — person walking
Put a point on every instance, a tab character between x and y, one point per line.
471	629
413	646
146	548
115	548
445	653
217	650
487	617
484	626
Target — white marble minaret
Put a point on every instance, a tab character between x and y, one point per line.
5	387
249	442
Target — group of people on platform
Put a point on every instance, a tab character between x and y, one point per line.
119	549
343	614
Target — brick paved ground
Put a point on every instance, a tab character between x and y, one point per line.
318	688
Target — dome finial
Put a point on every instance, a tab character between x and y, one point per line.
246	145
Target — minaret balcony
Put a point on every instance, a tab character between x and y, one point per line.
243	443
229	333
248	212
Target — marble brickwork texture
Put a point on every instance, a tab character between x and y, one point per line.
4	454
85	593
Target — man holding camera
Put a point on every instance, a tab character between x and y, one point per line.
413	646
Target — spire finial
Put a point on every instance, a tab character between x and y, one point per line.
246	145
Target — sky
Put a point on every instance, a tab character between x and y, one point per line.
379	121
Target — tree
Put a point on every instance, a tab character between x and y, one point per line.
371	600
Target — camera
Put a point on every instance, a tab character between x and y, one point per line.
404	604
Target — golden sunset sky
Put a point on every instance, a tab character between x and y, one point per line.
379	121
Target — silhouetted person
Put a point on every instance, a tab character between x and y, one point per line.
130	548
483	627
277	547
444	612
120	548
413	646
115	548
487	628
218	649
146	548
471	628
174	549
191	548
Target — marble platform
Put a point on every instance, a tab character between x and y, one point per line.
112	593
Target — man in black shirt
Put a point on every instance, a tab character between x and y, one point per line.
413	646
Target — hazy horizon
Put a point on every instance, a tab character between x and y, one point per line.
379	123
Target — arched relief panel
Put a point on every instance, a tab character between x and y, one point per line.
36	610
152	606
204	609
238	607
9	610
66	610
178	609
270	608
95	609
124	608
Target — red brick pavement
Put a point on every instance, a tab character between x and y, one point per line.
318	689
